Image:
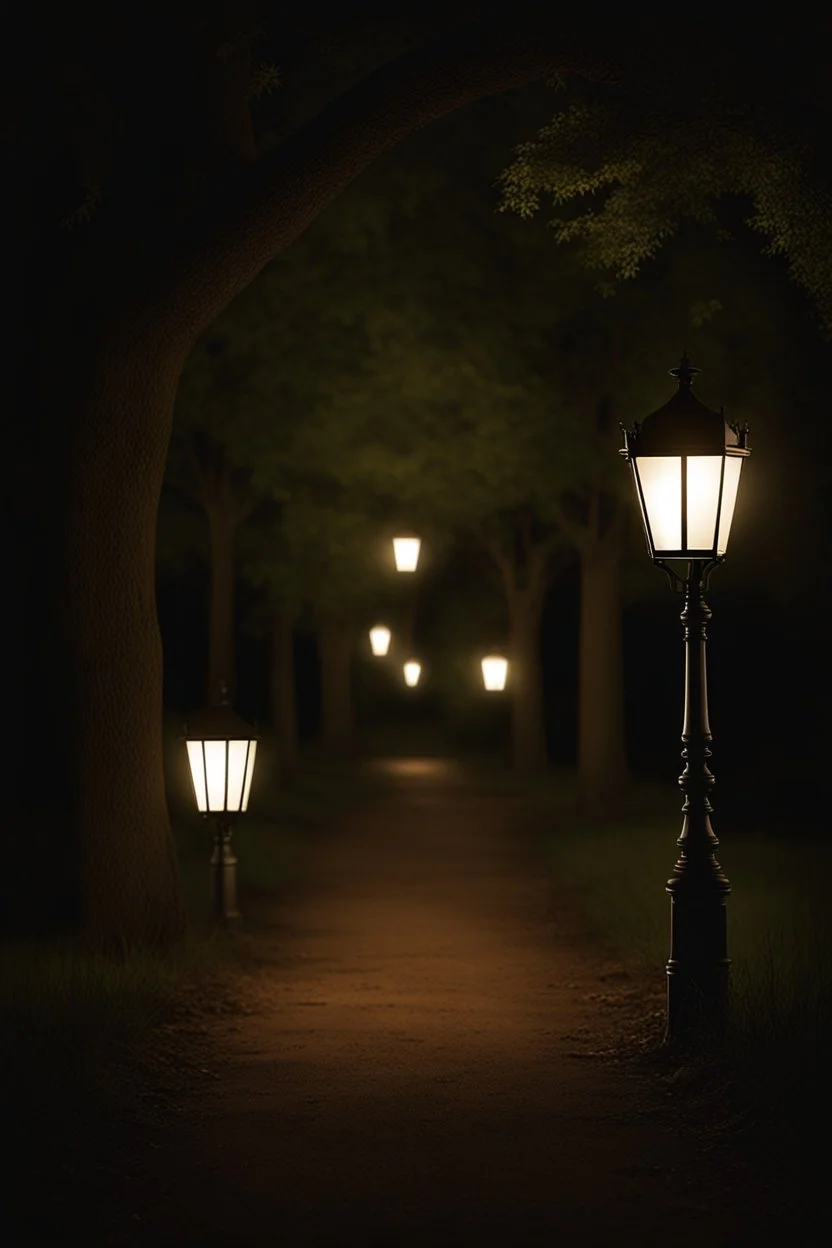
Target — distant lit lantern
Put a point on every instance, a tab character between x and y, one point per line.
221	751
412	672
686	461
406	553
380	639
494	672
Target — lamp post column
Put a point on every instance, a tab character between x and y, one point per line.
698	967
224	867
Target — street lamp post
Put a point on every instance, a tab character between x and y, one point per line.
686	462
221	751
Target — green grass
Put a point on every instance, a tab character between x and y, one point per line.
70	1021
74	1026
779	930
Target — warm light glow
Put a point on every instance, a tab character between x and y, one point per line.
197	774
709	500
412	672
704	476
380	639
733	464
221	772
406	553
661	487
494	671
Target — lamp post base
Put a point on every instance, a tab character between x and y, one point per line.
697	1005
224	868
698	969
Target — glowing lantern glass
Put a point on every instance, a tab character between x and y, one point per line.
406	553
412	672
380	639
686	462
221	752
494	672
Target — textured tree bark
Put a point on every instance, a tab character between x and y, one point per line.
335	652
602	767
526	682
222	663
282	690
129	892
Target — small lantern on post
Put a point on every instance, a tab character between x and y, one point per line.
494	672
221	752
380	640
412	671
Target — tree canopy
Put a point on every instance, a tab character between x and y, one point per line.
624	170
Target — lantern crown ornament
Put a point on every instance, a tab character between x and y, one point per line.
686	461
221	751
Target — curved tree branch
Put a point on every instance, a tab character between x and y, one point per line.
267	206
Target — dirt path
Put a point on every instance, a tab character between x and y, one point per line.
413	1066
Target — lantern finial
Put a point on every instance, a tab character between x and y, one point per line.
684	372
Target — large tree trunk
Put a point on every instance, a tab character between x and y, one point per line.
282	690
528	730
601	748
128	878
335	653
222	664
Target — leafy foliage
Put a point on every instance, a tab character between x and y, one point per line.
632	170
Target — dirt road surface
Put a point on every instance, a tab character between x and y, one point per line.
425	1050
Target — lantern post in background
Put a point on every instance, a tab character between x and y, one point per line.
406	553
380	636
412	672
494	672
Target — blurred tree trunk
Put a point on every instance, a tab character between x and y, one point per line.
222	665
282	690
523	557
528	729
602	765
335	652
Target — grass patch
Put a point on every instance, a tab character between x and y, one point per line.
779	930
74	1028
